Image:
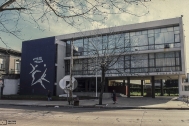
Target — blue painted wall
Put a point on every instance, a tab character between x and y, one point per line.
38	66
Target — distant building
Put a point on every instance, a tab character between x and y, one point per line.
9	62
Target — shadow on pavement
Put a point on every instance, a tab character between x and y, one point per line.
53	109
122	102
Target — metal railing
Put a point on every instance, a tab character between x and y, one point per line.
14	71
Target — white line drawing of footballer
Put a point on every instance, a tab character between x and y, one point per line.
34	71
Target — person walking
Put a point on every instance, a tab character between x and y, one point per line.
114	97
49	95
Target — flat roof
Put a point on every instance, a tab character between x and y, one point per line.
117	29
10	51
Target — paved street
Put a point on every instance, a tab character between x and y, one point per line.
123	102
50	116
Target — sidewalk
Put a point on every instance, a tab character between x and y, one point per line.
122	103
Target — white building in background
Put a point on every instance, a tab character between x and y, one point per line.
9	61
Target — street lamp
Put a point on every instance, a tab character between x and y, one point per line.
96	76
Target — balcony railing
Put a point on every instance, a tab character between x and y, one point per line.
14	71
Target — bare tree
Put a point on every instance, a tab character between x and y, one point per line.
107	54
73	12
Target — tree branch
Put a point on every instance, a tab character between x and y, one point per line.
12	9
5	5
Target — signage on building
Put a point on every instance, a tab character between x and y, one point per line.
140	74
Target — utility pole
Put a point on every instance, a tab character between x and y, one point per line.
96	76
71	68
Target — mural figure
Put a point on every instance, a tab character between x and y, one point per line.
34	71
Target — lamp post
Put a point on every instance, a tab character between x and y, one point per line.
71	68
96	76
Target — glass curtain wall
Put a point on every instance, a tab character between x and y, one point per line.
150	39
131	64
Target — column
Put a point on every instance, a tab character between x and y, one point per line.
128	86
125	92
153	86
180	85
106	85
90	83
161	87
123	82
86	85
142	88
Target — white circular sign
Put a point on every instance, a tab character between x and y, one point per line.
65	83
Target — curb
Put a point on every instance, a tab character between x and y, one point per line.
101	107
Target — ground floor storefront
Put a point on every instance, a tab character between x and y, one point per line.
149	86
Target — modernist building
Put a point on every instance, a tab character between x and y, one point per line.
152	50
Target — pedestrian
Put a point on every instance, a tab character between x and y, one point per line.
49	95
114	97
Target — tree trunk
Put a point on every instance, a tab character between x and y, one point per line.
1	93
102	86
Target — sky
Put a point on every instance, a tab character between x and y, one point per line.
158	10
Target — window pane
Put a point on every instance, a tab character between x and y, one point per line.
159	38
150	31
17	66
119	41
150	35
177	44
127	43
157	30
138	33
151	40
86	44
105	46
151	62
177	54
177	38
151	47
126	35
169	55
98	42
170	29
144	32
127	57
139	63
143	48
127	64
1	63
159	55
111	41
159	62
177	61
151	55
169	62
169	37
163	29
68	47
78	47
134	41
159	46
142	40
176	32
176	28
132	33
